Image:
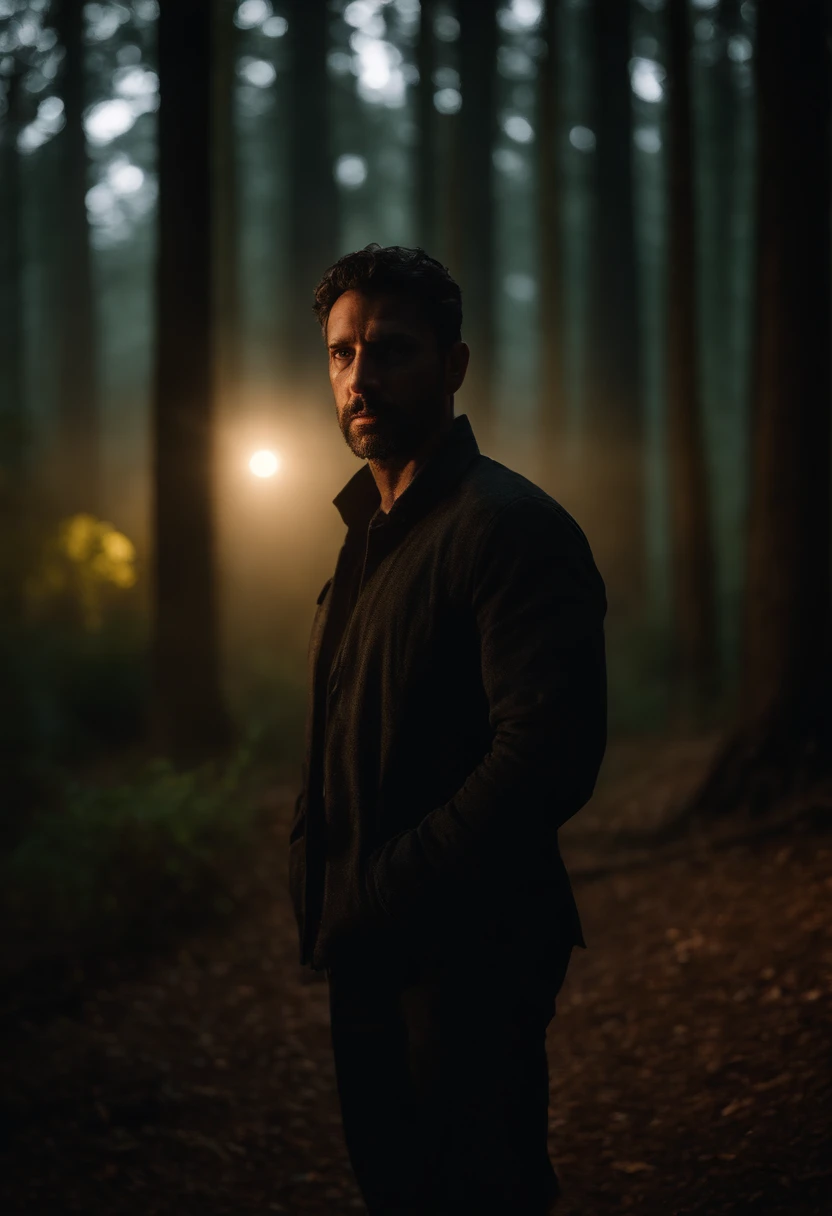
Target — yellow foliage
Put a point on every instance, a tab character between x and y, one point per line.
84	563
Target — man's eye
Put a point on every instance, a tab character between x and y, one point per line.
340	352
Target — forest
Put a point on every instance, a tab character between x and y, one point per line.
635	198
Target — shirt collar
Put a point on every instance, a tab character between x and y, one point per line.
358	501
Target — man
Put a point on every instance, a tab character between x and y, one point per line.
457	719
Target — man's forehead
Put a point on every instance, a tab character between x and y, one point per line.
356	314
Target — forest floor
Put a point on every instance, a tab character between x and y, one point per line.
689	1058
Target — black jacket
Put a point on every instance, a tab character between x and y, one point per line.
463	719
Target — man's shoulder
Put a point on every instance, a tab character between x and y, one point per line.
492	495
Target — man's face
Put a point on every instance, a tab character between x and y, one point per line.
391	385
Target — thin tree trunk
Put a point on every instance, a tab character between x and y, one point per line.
478	72
782	744
614	451
78	469
12	407
551	406
188	715
427	183
313	201
692	558
725	137
227	243
14	480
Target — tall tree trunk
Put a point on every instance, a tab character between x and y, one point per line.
188	715
692	557
783	741
227	243
78	471
13	421
427	196
787	627
724	133
478	72
313	201
551	411
614	451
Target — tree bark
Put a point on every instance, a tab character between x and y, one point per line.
477	129
188	715
692	557
551	410
78	471
614	447
313	201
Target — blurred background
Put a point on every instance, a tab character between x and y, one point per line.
172	186
634	196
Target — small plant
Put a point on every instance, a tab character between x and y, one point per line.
82	569
125	862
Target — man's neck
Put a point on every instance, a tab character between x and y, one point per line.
394	476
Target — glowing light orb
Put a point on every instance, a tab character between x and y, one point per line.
264	464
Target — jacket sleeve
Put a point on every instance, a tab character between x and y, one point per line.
538	604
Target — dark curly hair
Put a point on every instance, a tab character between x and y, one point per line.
377	269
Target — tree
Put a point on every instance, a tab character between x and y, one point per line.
782	741
614	452
12	409
426	57
78	471
313	202
692	558
188	715
477	130
551	411
226	228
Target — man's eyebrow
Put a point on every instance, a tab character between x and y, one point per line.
385	336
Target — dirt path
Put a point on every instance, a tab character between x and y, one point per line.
690	1061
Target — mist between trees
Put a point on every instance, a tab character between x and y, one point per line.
645	287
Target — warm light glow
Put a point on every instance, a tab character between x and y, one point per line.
264	464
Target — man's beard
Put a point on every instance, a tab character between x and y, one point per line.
392	435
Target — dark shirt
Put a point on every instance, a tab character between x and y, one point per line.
341	593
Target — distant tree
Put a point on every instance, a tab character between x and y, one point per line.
226	177
477	133
692	557
427	162
313	200
188	715
78	471
783	740
615	473
725	133
551	411
12	407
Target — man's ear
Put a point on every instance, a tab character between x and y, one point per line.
456	365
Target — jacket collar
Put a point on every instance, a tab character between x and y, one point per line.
358	501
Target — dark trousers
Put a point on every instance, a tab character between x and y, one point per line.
444	1085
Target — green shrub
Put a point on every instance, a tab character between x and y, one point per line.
121	863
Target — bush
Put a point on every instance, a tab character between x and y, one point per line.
121	864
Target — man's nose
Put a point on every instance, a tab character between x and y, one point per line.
363	373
